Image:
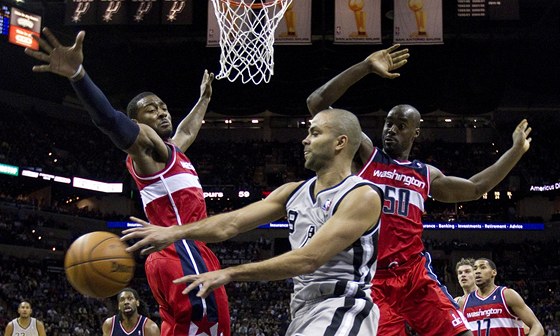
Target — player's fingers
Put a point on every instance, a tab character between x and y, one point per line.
51	38
136	246
39	55
43	44
393	47
42	68
399	58
398	64
398	53
80	40
528	131
139	221
148	250
185	279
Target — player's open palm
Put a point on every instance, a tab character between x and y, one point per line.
384	61
521	137
206	85
152	237
206	282
61	60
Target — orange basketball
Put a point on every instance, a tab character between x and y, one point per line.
97	265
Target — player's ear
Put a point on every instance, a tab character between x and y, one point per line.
417	132
341	141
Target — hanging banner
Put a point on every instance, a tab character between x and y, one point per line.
81	12
177	12
112	12
295	27
144	12
357	22
213	29
418	22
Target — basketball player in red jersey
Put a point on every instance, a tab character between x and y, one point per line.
168	183
497	310
405	287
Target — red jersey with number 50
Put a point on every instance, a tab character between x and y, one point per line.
406	185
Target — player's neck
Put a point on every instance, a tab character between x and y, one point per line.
486	289
130	322
468	290
24	321
329	178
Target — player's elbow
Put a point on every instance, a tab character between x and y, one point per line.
314	103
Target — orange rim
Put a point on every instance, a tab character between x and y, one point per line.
259	5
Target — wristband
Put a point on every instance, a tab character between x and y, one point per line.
77	73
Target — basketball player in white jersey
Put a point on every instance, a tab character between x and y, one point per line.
25	325
333	230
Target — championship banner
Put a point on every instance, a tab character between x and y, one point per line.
177	12
418	22
357	22
295	27
144	12
213	29
80	12
112	12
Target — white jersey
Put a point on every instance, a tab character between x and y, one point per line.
347	274
31	330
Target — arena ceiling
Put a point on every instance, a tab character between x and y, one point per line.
482	65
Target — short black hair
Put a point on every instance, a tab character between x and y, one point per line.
490	263
132	108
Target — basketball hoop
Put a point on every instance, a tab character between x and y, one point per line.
247	37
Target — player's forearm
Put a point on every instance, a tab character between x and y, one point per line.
285	266
122	131
330	92
210	230
192	123
490	177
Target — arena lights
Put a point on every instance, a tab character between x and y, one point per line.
46	177
8	169
97	185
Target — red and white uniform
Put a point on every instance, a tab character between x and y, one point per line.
405	287
174	196
490	316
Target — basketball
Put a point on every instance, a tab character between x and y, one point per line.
97	265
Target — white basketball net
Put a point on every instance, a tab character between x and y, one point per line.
247	37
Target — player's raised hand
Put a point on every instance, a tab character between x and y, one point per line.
384	61
61	60
521	137
206	85
206	282
152	237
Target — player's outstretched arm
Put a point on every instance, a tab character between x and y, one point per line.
455	189
521	310
381	62
151	328
212	229
67	61
357	213
190	125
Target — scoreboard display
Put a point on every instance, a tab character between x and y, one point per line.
488	9
4	20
